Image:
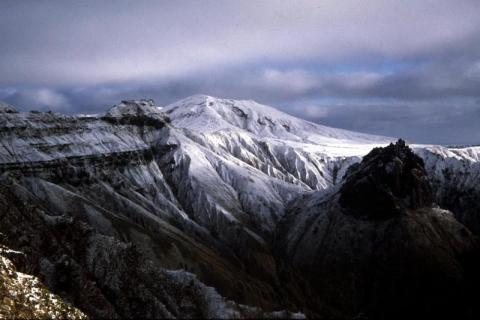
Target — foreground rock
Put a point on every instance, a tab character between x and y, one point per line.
24	297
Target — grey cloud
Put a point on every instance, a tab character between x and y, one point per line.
429	80
41	99
93	42
84	56
442	121
436	122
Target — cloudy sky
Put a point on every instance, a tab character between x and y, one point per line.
407	68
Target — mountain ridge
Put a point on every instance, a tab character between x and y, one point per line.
203	199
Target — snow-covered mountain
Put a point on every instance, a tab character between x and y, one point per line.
200	185
208	114
455	173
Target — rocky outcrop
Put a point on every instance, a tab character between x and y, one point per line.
379	248
393	177
141	113
23	296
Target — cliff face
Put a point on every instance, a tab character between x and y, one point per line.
104	207
102	274
455	177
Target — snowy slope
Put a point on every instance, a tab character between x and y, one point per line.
313	156
455	174
128	174
209	114
280	145
249	160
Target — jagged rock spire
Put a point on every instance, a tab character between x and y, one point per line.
388	181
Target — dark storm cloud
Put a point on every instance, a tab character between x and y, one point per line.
387	66
432	122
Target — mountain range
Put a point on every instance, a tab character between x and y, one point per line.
220	208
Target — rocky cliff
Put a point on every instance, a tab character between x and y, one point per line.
379	247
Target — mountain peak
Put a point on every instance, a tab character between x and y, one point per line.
388	181
197	99
208	114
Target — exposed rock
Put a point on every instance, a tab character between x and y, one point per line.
142	112
23	296
133	107
393	177
379	249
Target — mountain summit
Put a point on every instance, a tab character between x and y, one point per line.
393	178
208	114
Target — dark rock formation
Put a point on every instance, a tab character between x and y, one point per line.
394	178
378	248
138	113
